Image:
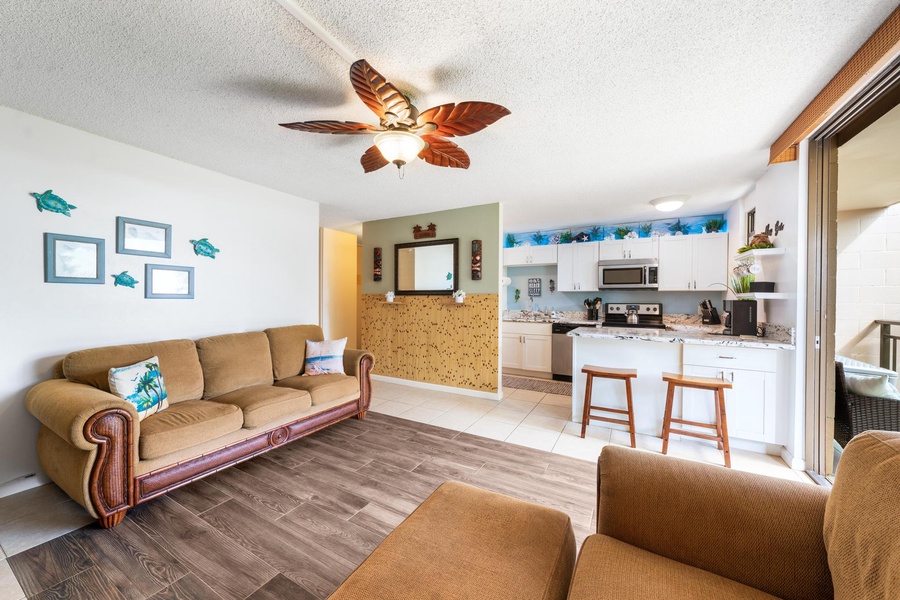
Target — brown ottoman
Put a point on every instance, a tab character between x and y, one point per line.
464	542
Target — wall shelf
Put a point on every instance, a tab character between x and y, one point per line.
761	253
765	296
394	302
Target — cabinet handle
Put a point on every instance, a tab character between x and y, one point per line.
731	377
728	357
695	284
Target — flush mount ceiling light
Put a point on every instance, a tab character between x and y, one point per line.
669	203
403	132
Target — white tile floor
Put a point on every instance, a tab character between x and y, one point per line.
542	421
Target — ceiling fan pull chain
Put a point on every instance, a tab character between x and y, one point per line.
400	170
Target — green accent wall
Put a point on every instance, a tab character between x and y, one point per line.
467	224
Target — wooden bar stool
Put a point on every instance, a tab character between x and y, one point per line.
608	373
718	387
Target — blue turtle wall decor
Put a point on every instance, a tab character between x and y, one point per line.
124	279
204	248
52	203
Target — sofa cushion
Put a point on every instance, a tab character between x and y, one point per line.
141	384
323	358
608	568
288	345
185	424
324	388
263	404
234	361
178	363
861	524
449	546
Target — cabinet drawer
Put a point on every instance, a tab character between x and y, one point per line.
527	328
726	357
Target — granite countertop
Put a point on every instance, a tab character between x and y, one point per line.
686	334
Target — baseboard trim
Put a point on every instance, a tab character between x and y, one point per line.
439	388
792	461
20	484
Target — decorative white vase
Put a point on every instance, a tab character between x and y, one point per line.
389	296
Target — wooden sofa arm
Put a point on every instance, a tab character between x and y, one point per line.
65	407
760	531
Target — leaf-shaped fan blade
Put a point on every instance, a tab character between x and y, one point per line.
463	118
444	153
372	160
377	93
339	127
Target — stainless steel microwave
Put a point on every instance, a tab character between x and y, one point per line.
629	274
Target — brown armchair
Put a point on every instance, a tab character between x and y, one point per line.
670	528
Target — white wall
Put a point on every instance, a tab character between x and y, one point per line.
265	275
868	279
781	195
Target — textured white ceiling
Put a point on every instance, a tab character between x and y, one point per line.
869	165
613	103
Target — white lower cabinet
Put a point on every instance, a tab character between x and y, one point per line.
750	406
527	346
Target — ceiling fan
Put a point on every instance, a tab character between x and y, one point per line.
404	133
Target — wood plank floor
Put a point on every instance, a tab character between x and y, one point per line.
296	521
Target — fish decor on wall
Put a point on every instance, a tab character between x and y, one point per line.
124	279
52	203
204	248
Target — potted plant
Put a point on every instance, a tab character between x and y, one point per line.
596	233
714	225
565	237
679	228
510	240
459	296
646	229
622	232
538	238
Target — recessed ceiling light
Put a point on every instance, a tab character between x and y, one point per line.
669	203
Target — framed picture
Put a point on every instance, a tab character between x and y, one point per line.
144	238
751	224
73	259
168	282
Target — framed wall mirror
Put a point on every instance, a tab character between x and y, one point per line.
430	267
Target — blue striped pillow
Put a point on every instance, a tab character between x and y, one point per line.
324	357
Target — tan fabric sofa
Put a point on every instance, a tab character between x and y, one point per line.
230	397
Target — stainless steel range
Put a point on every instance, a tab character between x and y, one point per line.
645	316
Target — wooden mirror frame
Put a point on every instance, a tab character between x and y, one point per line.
446	242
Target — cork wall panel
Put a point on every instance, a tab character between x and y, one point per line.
425	338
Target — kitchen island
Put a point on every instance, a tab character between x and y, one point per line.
757	407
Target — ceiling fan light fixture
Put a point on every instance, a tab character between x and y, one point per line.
399	147
669	203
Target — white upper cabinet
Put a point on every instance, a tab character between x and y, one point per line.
693	262
577	267
529	255
624	249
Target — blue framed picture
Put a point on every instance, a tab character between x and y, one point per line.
168	282
74	259
143	238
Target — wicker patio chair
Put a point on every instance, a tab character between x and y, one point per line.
855	414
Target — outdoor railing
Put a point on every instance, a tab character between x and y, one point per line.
888	345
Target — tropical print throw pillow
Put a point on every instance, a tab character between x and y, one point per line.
324	357
142	385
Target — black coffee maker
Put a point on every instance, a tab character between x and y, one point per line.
741	317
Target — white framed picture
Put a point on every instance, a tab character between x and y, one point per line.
168	282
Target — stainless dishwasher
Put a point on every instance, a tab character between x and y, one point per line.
561	356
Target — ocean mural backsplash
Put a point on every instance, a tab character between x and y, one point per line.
634	230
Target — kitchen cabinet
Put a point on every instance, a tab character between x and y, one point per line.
529	255
693	262
639	248
577	267
750	406
527	346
